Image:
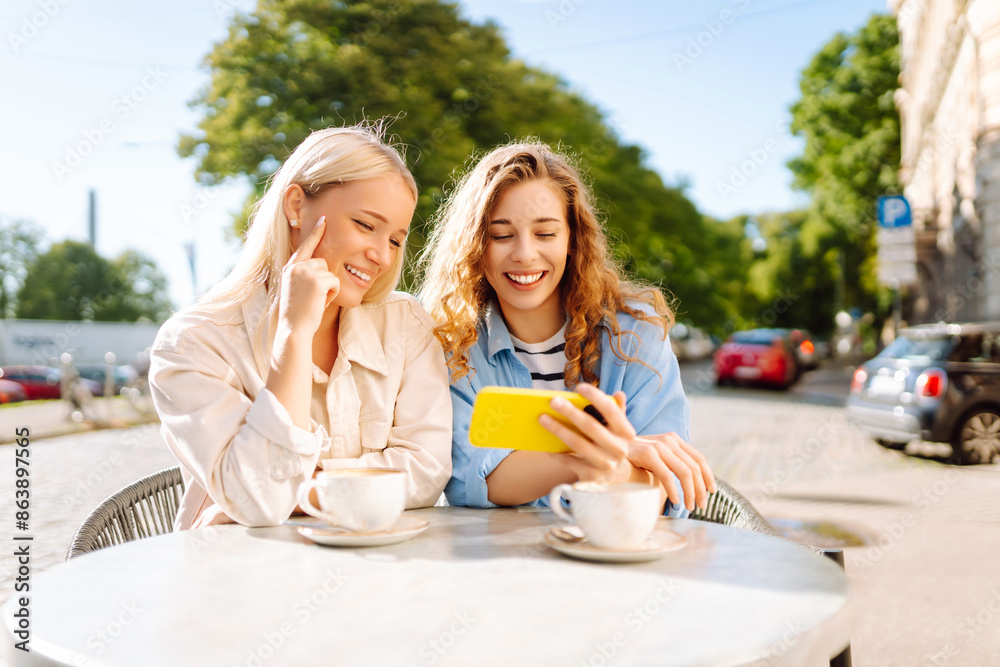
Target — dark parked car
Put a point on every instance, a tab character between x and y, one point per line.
11	392
42	381
937	382
765	356
97	372
808	350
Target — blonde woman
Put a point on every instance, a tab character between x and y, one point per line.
518	276
304	357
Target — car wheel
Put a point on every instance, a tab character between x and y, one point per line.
978	438
891	444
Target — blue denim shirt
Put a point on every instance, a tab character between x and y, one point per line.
655	401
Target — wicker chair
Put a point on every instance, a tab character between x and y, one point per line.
141	509
729	507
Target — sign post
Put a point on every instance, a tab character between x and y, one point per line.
897	249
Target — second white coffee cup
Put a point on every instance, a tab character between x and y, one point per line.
611	516
363	500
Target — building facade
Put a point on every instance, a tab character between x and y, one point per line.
949	105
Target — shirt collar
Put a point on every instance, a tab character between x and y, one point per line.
496	332
360	341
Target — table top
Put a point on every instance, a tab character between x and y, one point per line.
479	587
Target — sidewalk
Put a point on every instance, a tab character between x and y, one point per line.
50	419
925	588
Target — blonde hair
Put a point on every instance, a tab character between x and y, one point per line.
326	158
455	289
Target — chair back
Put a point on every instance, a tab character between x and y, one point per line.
144	508
728	506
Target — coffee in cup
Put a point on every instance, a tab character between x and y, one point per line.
611	516
364	500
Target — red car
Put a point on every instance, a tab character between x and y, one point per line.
764	356
11	392
41	381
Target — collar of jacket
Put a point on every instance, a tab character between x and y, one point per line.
497	334
359	340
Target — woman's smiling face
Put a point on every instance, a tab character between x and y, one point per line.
366	224
527	248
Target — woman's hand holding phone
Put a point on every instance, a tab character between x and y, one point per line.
601	453
612	452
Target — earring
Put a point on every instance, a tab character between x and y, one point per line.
294	222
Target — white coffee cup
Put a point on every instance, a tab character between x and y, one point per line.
611	516
363	500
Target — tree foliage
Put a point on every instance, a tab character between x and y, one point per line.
20	241
852	153
792	282
292	66
72	282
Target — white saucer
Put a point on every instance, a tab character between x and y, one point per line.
659	544
321	532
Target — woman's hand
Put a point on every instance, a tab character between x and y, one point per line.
667	453
307	287
601	453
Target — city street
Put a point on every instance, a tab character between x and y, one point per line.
922	573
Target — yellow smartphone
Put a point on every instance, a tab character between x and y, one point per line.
507	417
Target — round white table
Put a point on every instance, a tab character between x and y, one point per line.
477	588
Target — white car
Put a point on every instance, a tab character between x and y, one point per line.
690	343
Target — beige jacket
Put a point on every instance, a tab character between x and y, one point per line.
385	404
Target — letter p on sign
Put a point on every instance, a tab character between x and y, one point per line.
893	212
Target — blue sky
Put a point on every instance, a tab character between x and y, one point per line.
94	95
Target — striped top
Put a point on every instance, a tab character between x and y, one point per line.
546	361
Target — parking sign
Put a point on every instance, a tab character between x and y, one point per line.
893	212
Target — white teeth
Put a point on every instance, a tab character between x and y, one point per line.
360	274
526	279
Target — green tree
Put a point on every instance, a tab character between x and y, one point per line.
144	290
20	241
292	66
793	283
72	282
852	153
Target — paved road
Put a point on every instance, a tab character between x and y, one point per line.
925	587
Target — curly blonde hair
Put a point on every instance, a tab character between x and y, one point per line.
593	291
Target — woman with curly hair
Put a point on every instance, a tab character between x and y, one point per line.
518	276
